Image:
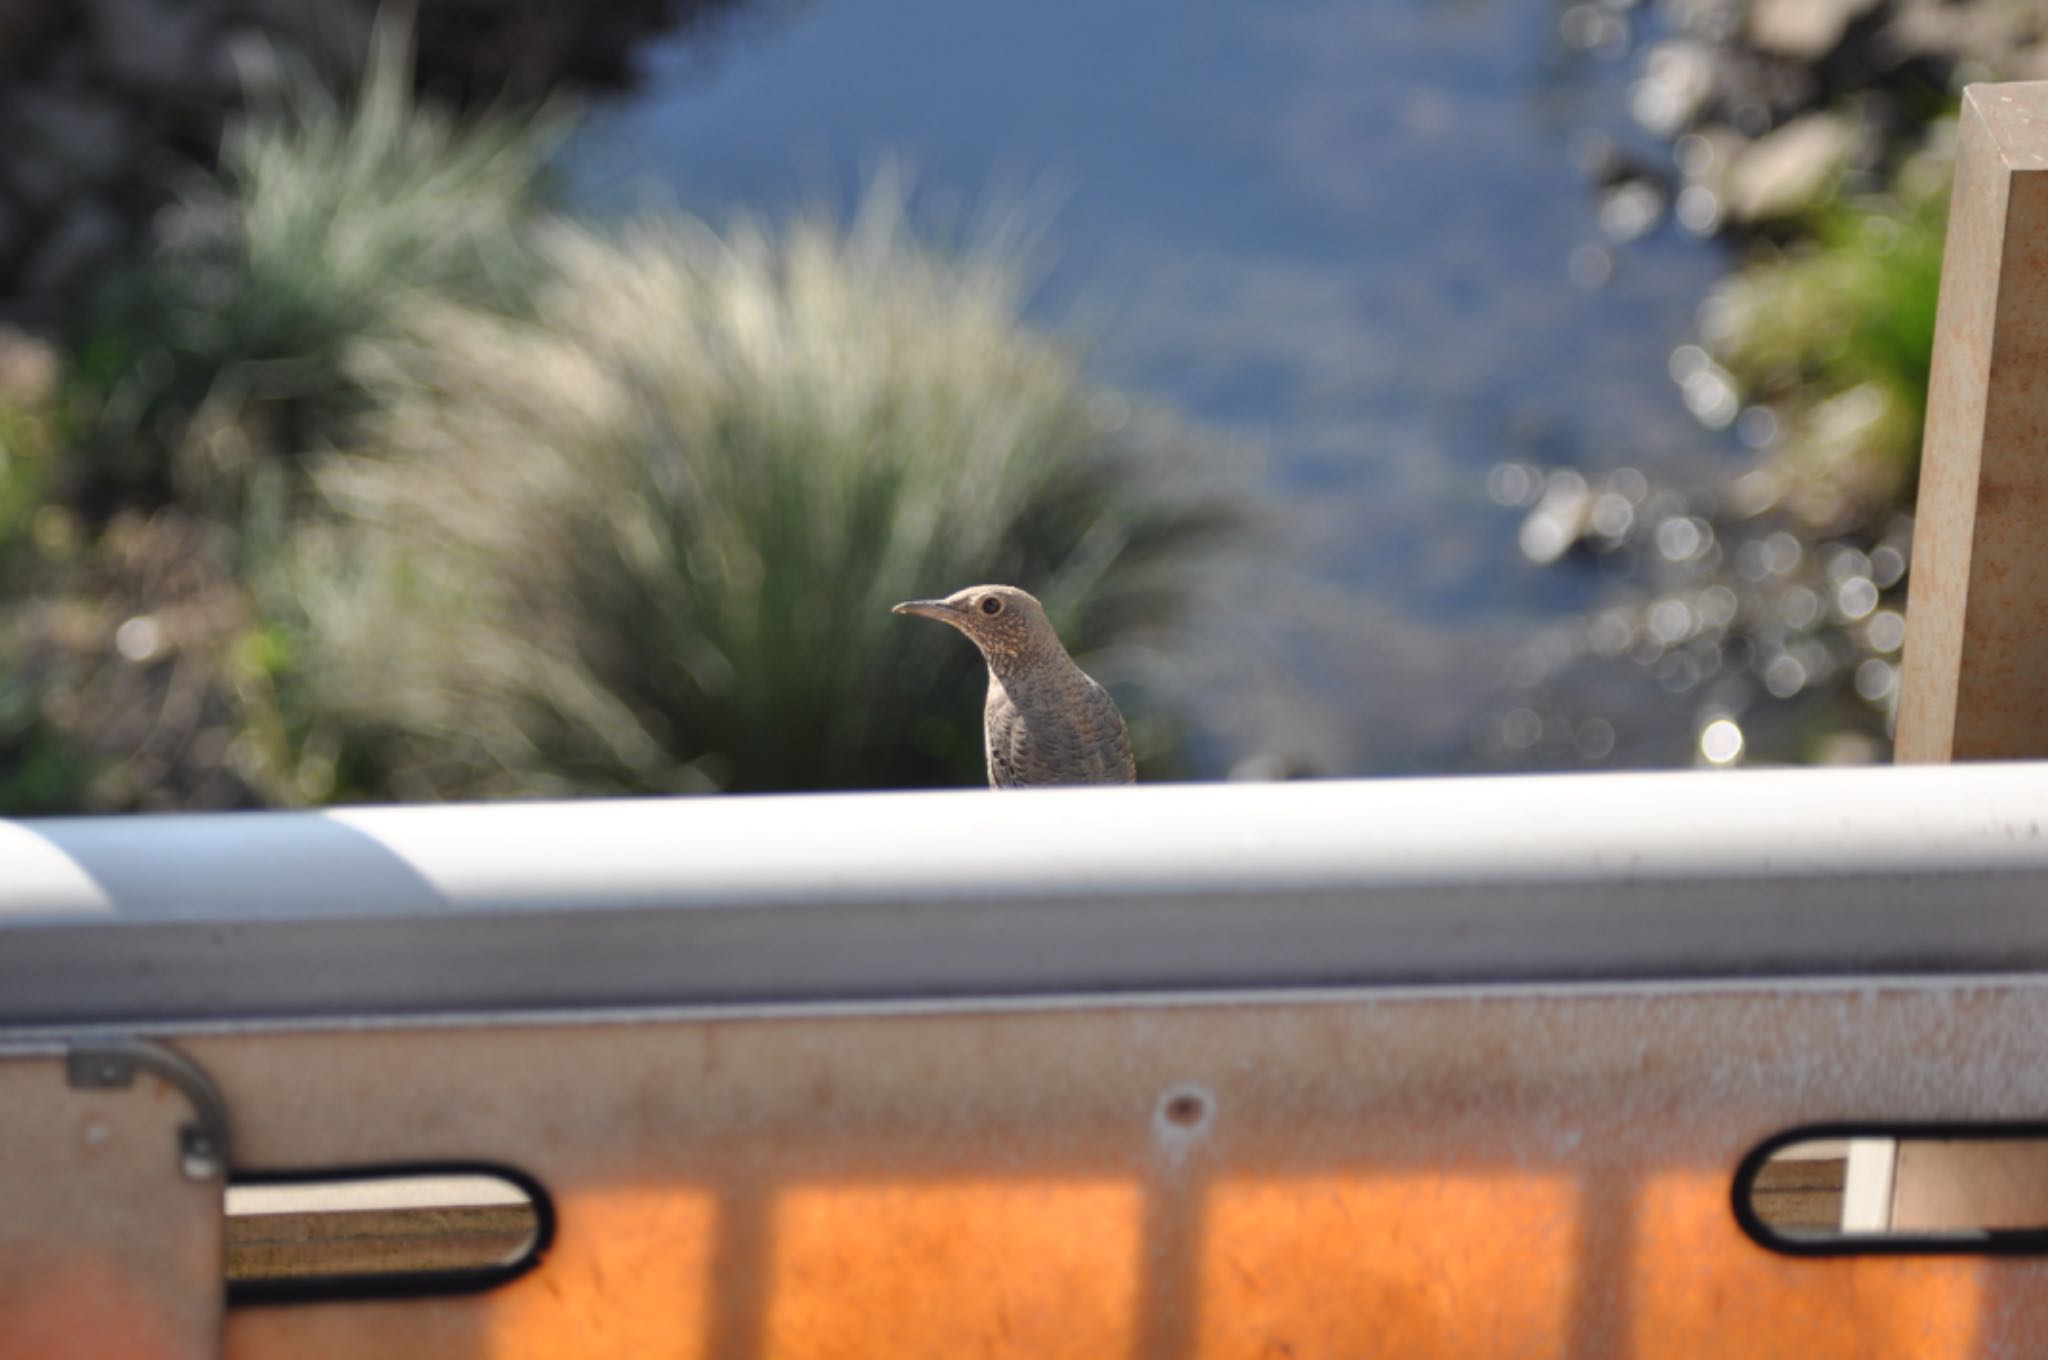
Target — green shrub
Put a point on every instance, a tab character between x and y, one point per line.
225	347
1837	334
39	769
646	538
196	381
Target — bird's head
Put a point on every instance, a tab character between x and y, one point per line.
1005	622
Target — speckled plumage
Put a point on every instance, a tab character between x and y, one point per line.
1046	720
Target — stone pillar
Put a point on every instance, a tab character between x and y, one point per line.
1975	679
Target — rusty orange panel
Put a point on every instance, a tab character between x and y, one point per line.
628	1274
1417	1266
1046	1270
658	1238
1703	1291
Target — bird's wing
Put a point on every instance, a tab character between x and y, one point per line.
1107	738
999	734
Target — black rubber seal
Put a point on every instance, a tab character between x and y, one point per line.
405	1284
1986	1242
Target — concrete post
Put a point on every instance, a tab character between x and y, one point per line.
1975	679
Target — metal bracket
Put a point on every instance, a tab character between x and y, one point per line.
107	1064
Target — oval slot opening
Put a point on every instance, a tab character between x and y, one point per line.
1898	1188
378	1232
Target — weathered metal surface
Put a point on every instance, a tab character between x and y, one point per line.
1422	1175
471	910
1977	622
107	1247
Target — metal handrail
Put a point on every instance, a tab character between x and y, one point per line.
515	908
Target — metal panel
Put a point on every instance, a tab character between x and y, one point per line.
110	1230
1454	1175
677	903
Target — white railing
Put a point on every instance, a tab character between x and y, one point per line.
467	910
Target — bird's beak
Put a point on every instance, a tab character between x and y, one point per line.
942	610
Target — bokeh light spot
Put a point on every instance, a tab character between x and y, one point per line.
1721	742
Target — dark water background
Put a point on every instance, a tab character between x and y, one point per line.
1337	231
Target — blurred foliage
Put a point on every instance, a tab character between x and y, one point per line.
226	345
1772	604
378	480
1834	333
646	539
24	470
122	642
37	767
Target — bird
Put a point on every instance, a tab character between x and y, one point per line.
1046	720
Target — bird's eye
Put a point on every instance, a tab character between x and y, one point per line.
991	604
